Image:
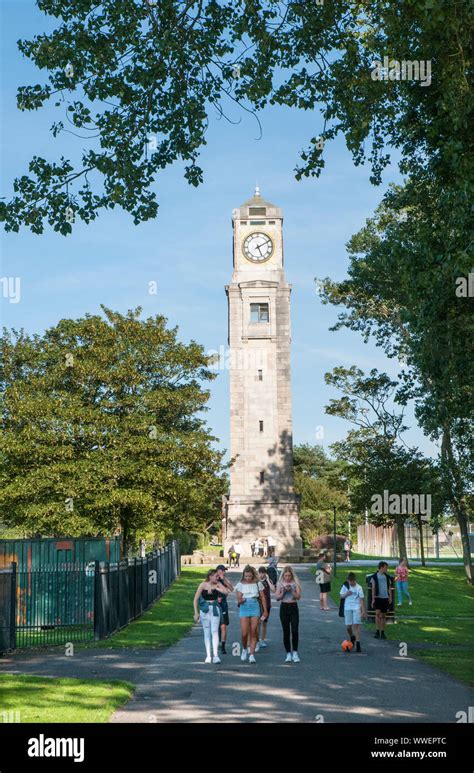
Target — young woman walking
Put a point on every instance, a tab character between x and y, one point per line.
267	587
323	579
401	581
207	610
250	594
288	591
222	598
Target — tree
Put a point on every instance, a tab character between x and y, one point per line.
383	466
139	81
404	272
375	452
322	484
103	429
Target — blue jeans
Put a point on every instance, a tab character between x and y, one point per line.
402	588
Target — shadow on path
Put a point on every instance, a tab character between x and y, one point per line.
328	685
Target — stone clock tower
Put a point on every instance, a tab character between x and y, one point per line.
261	500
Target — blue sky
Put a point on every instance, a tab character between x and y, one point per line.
187	249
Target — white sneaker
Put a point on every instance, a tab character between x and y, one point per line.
208	659
262	644
216	659
252	659
257	646
410	603
295	657
288	658
244	656
399	605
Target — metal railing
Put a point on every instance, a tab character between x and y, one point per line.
80	602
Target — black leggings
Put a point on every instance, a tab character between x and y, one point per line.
290	617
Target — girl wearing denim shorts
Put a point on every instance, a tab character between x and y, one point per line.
250	595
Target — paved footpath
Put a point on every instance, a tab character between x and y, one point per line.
175	685
328	685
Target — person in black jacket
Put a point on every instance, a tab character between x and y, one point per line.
382	591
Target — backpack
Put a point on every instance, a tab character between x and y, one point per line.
272	573
343	601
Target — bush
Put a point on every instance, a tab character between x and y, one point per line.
189	541
326	542
200	539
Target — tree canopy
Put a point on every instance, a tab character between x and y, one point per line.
138	81
322	484
103	429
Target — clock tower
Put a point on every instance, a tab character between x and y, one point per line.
261	501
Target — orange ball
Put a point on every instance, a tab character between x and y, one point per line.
346	645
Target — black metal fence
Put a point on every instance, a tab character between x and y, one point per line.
7	608
125	590
80	602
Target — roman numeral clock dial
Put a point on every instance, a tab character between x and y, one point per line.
257	247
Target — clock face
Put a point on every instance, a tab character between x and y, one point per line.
258	247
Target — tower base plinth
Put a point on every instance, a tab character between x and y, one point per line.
246	519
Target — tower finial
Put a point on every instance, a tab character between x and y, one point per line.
257	190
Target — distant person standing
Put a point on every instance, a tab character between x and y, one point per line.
323	577
271	542
382	590
232	556
258	547
401	581
352	608
238	550
347	550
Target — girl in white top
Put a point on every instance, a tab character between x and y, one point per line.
251	600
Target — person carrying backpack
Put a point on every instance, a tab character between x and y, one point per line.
272	569
382	593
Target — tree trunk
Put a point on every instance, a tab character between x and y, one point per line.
461	516
124	521
402	547
422	544
455	488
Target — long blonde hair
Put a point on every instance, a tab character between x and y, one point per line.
250	570
291	571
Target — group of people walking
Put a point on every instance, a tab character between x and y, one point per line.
352	605
254	601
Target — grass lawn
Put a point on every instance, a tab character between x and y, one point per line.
167	621
442	616
39	699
